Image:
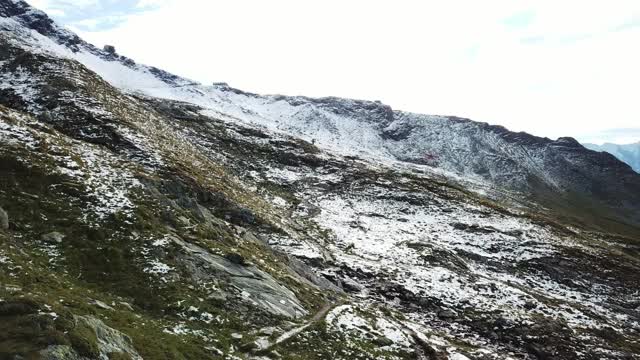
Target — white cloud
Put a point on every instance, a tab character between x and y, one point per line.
615	136
47	5
561	69
40	4
94	15
56	12
151	3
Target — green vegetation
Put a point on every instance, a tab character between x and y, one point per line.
106	264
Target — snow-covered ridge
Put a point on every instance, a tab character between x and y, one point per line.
41	33
475	152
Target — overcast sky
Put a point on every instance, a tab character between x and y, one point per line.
549	67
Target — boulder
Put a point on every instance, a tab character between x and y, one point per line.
126	305
262	344
240	216
447	314
4	220
530	305
350	285
53	237
100	304
110	49
383	341
268	331
236	259
218	296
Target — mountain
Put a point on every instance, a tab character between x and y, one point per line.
143	215
629	153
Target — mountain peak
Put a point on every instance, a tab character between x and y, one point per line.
568	141
39	21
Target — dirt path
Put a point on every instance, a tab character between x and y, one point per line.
317	317
295	331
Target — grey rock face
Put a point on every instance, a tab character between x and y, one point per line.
4	219
256	286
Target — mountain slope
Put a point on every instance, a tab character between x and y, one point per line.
629	153
552	173
150	217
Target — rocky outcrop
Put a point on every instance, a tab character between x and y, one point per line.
110	341
109	344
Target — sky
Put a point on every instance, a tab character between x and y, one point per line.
551	68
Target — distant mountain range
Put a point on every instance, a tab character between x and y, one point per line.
629	153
